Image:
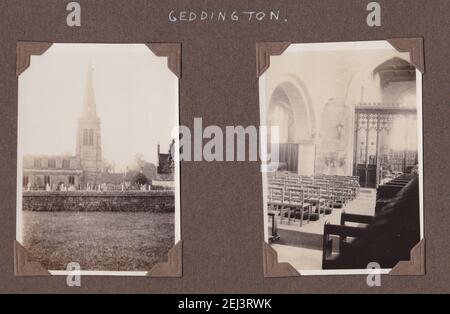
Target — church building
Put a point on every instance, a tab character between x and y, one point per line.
73	172
346	113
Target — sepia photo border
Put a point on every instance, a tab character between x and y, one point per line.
264	51
23	265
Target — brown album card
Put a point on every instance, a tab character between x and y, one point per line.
250	147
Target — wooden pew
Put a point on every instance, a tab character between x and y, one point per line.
290	203
343	232
340	231
386	192
320	193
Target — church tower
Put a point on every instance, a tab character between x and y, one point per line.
89	147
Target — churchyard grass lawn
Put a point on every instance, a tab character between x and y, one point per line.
104	241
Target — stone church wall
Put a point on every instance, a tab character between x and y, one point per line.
333	154
139	201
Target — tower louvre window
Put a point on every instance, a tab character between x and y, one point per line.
91	137
85	137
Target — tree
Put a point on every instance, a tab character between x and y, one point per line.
140	179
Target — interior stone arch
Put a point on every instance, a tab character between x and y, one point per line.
291	110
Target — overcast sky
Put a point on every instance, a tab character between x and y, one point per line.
135	93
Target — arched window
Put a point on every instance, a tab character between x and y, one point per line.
37	163
52	163
66	163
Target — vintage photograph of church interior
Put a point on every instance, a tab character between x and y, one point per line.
346	194
98	181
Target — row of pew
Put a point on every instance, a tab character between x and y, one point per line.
386	192
304	198
352	226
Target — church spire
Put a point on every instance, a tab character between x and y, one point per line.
89	144
89	106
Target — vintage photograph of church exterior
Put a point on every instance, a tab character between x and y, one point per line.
97	178
347	191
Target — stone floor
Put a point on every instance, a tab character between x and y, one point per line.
301	246
299	258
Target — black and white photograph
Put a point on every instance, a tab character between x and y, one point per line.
346	194
98	178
